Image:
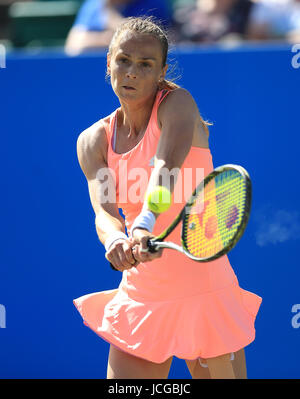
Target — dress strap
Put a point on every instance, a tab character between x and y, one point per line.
109	129
163	94
160	97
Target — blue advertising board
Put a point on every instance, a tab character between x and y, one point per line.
50	253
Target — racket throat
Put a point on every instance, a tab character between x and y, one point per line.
168	244
155	246
171	245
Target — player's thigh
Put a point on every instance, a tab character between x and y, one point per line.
123	365
199	372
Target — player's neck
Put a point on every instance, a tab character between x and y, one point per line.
133	118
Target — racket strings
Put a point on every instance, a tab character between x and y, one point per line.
216	214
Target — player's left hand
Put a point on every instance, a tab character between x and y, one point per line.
139	241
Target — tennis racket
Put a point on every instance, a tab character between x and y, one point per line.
214	218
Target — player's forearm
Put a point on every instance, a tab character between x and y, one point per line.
106	224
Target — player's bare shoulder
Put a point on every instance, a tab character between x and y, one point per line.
180	107
177	102
92	148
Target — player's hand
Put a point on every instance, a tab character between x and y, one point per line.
121	256
141	250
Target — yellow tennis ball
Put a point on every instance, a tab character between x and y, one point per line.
159	199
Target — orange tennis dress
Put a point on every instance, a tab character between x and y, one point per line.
171	305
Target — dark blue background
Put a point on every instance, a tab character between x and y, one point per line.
50	252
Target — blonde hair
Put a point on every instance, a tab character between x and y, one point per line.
147	25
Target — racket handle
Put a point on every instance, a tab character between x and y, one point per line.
152	246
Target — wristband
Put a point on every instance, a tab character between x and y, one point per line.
114	236
145	220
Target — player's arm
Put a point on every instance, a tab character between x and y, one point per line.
179	118
91	151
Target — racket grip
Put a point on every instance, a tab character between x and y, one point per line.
151	246
112	267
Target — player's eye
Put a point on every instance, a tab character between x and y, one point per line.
123	60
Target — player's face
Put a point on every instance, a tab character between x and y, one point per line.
135	66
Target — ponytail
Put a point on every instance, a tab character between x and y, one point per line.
168	85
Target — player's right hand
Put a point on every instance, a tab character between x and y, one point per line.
120	255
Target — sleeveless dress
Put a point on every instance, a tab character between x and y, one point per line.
171	306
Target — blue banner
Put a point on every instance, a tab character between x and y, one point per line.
50	253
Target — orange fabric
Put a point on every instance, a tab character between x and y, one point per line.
172	305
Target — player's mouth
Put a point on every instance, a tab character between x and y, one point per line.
129	88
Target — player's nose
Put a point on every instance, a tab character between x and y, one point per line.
131	72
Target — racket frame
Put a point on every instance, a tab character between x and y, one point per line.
157	242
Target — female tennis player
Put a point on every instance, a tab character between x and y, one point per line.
166	304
